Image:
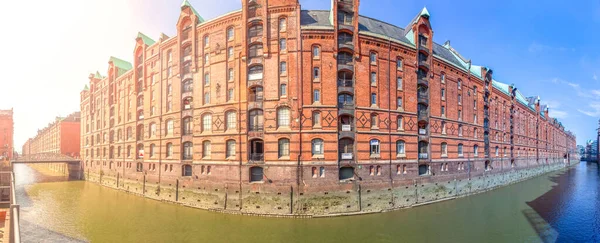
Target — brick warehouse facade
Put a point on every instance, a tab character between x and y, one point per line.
274	109
6	133
60	137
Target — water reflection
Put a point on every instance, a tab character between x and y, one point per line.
571	207
524	212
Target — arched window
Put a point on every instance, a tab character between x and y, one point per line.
344	58
256	174
255	72
230	150
139	167
475	150
255	50
444	149
282	44
129	133
152	150
207	123
186	170
374	145
231	120
187	151
282	24
169	150
256	120
345	100
255	31
206	149
283	117
128	151
187	128
400	148
373	57
119	135
230	33
316	51
316	119
284	148
345	38
188	85
400	123
152	130
317	147
169	127
460	149
206	41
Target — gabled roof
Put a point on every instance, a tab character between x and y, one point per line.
501	86
122	66
185	3
145	39
120	63
98	75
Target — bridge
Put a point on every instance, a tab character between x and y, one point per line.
72	165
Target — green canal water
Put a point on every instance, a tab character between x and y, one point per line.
530	211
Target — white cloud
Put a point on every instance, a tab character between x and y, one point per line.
537	48
593	109
594	77
558	114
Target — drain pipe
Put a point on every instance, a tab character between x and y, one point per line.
389	110
239	117
299	170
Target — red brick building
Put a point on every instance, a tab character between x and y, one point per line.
272	97
6	134
60	137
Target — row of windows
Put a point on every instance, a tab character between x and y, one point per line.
187	150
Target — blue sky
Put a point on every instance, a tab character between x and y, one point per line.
550	49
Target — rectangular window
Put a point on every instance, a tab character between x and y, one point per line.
443	111
317	96
373	58
317	119
206	79
443	78
399	102
230	52
373	79
460	115
283	89
230	95
230	74
399	83
316	73
230	34
399	64
459	99
282	45
282	67
373	99
206	98
316	52
443	94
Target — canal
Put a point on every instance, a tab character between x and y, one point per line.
563	206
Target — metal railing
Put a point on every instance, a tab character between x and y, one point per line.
257	156
256	128
345	83
346	105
